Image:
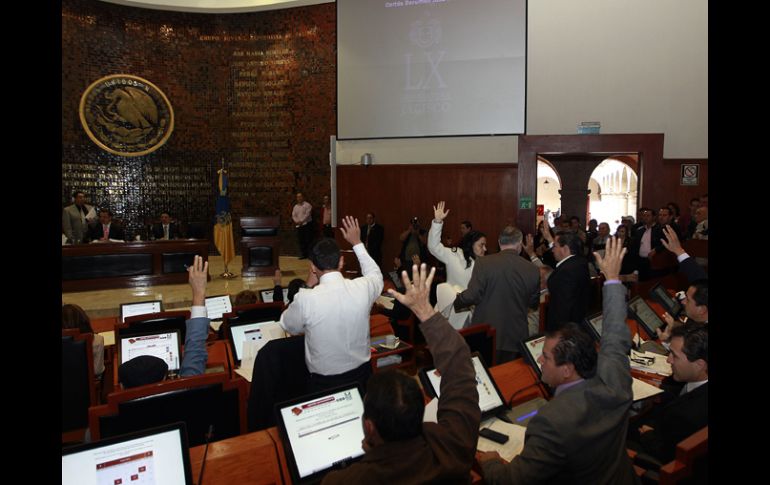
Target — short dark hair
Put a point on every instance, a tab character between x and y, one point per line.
696	340
571	240
142	370
701	295
75	193
295	285
575	346
245	297
73	316
467	224
325	254
395	404
104	209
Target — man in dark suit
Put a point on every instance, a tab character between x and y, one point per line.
166	229
686	410
502	287
569	285
105	230
580	435
372	235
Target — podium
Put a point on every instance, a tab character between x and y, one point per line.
260	245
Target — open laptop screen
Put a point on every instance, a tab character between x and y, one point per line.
139	308
671	305
158	455
593	323
490	399
267	295
322	431
164	345
533	347
262	332
646	316
216	306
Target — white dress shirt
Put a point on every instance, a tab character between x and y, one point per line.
334	316
301	213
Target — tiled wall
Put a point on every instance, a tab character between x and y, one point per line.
257	90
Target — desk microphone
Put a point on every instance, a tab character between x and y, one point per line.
205	452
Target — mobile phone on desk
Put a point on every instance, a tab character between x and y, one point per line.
493	435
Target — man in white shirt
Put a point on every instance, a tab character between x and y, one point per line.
334	314
301	214
76	217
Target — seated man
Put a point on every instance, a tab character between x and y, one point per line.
166	229
105	230
579	436
685	408
334	314
399	447
148	369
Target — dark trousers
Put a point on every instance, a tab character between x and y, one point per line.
328	231
361	374
305	237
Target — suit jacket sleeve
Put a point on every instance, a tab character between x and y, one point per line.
195	354
476	287
66	224
692	269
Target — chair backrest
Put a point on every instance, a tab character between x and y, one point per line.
481	338
77	377
279	374
199	401
690	461
152	322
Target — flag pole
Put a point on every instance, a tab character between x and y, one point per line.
223	188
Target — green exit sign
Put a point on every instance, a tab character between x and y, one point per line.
525	203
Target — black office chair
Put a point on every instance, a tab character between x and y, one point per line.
78	387
199	401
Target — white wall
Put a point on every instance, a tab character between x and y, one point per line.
637	66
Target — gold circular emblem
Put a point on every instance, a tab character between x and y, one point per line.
126	115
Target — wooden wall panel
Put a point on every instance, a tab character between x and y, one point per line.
487	195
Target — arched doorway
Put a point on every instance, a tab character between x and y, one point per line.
613	190
548	187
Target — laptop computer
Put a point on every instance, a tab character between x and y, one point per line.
593	323
139	308
156	455
532	348
321	432
491	401
166	345
646	316
261	332
670	304
267	295
216	306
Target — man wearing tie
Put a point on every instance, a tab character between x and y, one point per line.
301	214
105	229
166	229
75	218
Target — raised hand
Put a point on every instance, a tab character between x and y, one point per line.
673	243
438	211
197	274
417	292
612	260
351	230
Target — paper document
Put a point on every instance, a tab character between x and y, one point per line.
245	373
642	390
215	324
510	448
386	301
431	412
109	337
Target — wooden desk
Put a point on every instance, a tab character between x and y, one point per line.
88	267
515	375
252	458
